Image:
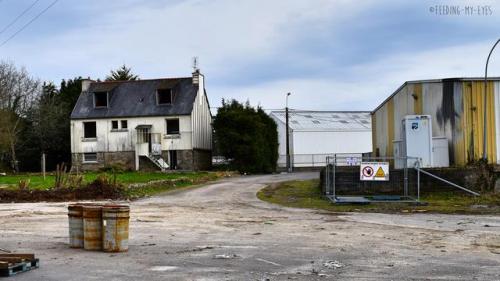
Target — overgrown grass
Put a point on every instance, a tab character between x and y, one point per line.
37	181
306	194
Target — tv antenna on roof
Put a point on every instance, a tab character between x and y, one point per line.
195	64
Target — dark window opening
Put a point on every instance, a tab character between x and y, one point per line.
124	124
114	125
316	122
101	99
173	126
90	157
89	130
164	96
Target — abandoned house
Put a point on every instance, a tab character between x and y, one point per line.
142	125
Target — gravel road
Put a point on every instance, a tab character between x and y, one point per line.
221	231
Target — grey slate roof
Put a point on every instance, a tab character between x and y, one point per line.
137	98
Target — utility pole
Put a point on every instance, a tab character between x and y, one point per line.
485	102
288	166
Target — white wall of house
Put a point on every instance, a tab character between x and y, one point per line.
109	140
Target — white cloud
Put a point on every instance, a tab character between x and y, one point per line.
158	39
370	83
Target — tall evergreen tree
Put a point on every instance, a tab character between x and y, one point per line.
123	73
247	136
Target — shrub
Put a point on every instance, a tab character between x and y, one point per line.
248	136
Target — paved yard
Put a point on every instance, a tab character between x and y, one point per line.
223	232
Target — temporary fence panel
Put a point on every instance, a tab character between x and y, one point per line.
371	179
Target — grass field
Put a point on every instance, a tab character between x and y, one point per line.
306	194
37	181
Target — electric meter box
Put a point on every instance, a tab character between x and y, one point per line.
417	139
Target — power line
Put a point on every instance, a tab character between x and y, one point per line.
18	17
27	24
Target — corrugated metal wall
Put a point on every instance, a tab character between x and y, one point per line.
473	99
456	108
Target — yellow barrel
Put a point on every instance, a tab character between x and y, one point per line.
115	222
75	220
92	227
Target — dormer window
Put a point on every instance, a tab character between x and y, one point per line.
164	96
101	99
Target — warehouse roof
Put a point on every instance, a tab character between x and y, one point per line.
301	120
440	80
137	98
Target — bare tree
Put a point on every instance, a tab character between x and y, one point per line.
18	93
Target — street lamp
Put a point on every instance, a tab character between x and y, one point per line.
486	101
288	166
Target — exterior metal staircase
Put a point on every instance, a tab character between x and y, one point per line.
159	162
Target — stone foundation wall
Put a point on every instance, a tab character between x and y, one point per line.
186	160
202	159
126	159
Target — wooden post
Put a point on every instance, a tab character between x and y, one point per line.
43	165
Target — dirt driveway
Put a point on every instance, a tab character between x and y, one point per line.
223	232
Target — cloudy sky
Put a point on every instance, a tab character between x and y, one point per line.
331	54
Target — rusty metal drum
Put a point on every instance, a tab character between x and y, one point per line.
115	221
92	227
75	221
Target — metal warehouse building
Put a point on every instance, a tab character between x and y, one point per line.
456	106
314	135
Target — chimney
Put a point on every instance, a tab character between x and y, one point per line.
86	84
196	77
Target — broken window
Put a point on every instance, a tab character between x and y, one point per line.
114	125
124	124
101	99
89	130
164	96
90	157
173	127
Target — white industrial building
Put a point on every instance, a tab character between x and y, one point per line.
314	135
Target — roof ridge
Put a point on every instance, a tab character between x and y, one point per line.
140	80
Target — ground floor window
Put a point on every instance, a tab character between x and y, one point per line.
89	130
173	127
90	157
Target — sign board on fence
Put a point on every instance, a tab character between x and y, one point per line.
374	171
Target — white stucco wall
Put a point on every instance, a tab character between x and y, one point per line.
113	141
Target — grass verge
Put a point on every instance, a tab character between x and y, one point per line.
306	194
37	182
127	186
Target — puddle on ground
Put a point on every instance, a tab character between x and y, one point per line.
163	268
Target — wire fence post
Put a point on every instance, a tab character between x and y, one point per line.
334	175
418	180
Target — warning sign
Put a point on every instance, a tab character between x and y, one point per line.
374	171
